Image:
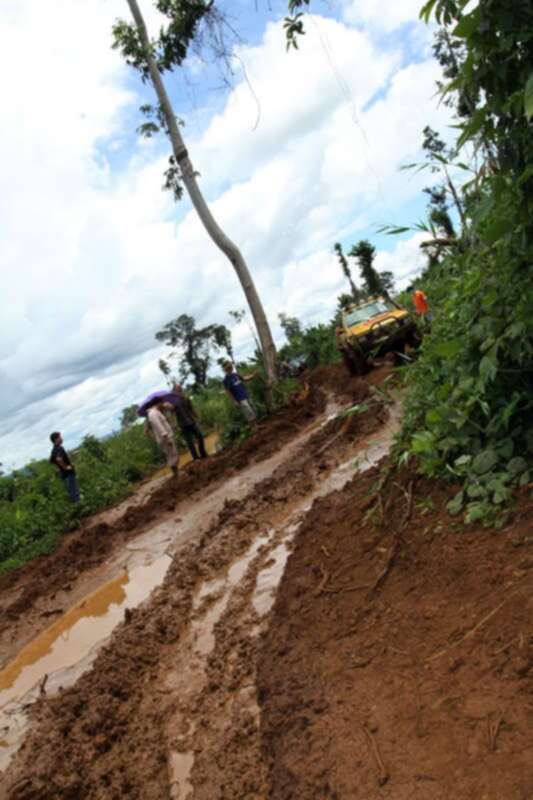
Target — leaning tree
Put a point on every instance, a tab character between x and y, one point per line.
152	58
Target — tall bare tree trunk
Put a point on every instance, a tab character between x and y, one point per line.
222	241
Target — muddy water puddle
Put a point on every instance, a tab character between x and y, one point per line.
61	653
180	769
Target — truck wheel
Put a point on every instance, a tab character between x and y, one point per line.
348	363
414	340
399	360
355	365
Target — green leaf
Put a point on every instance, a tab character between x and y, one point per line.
433	417
474	126
426	10
496	229
525	477
526	175
487	369
455	505
474	490
484	461
476	511
517	465
528	98
500	495
423	442
505	450
448	349
468	24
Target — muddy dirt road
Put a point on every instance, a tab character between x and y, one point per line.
282	625
171	576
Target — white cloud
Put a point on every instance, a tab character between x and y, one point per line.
405	261
99	258
384	15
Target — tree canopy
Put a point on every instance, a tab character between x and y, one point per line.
194	346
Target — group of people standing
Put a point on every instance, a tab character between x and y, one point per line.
158	426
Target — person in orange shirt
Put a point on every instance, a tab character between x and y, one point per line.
420	303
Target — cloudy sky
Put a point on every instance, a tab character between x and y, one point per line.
300	151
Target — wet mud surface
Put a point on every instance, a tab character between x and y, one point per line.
416	686
40	589
296	627
273	491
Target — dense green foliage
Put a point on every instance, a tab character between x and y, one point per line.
469	409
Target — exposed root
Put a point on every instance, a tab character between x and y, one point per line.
383	775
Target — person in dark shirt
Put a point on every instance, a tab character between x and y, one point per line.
237	392
188	423
60	458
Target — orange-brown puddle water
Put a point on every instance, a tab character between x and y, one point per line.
66	643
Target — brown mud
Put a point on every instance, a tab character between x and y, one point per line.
315	632
418	685
92	545
119	675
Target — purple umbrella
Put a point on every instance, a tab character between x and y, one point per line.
164	395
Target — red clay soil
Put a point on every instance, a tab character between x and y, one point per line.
104	738
90	546
399	657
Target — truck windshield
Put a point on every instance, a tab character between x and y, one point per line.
365	312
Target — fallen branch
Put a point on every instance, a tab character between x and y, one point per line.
343	589
333	439
493	728
383	775
325	578
506	646
476	627
391	559
42	685
470	633
396	543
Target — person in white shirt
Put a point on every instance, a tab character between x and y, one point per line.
163	434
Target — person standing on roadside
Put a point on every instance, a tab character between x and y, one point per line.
60	458
236	390
421	305
188	423
161	430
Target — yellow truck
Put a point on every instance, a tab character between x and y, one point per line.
370	329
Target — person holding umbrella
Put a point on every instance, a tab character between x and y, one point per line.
158	425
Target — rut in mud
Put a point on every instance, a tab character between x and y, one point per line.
130	701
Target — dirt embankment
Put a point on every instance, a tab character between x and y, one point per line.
109	735
399	657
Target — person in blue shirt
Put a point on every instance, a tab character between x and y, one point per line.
236	390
